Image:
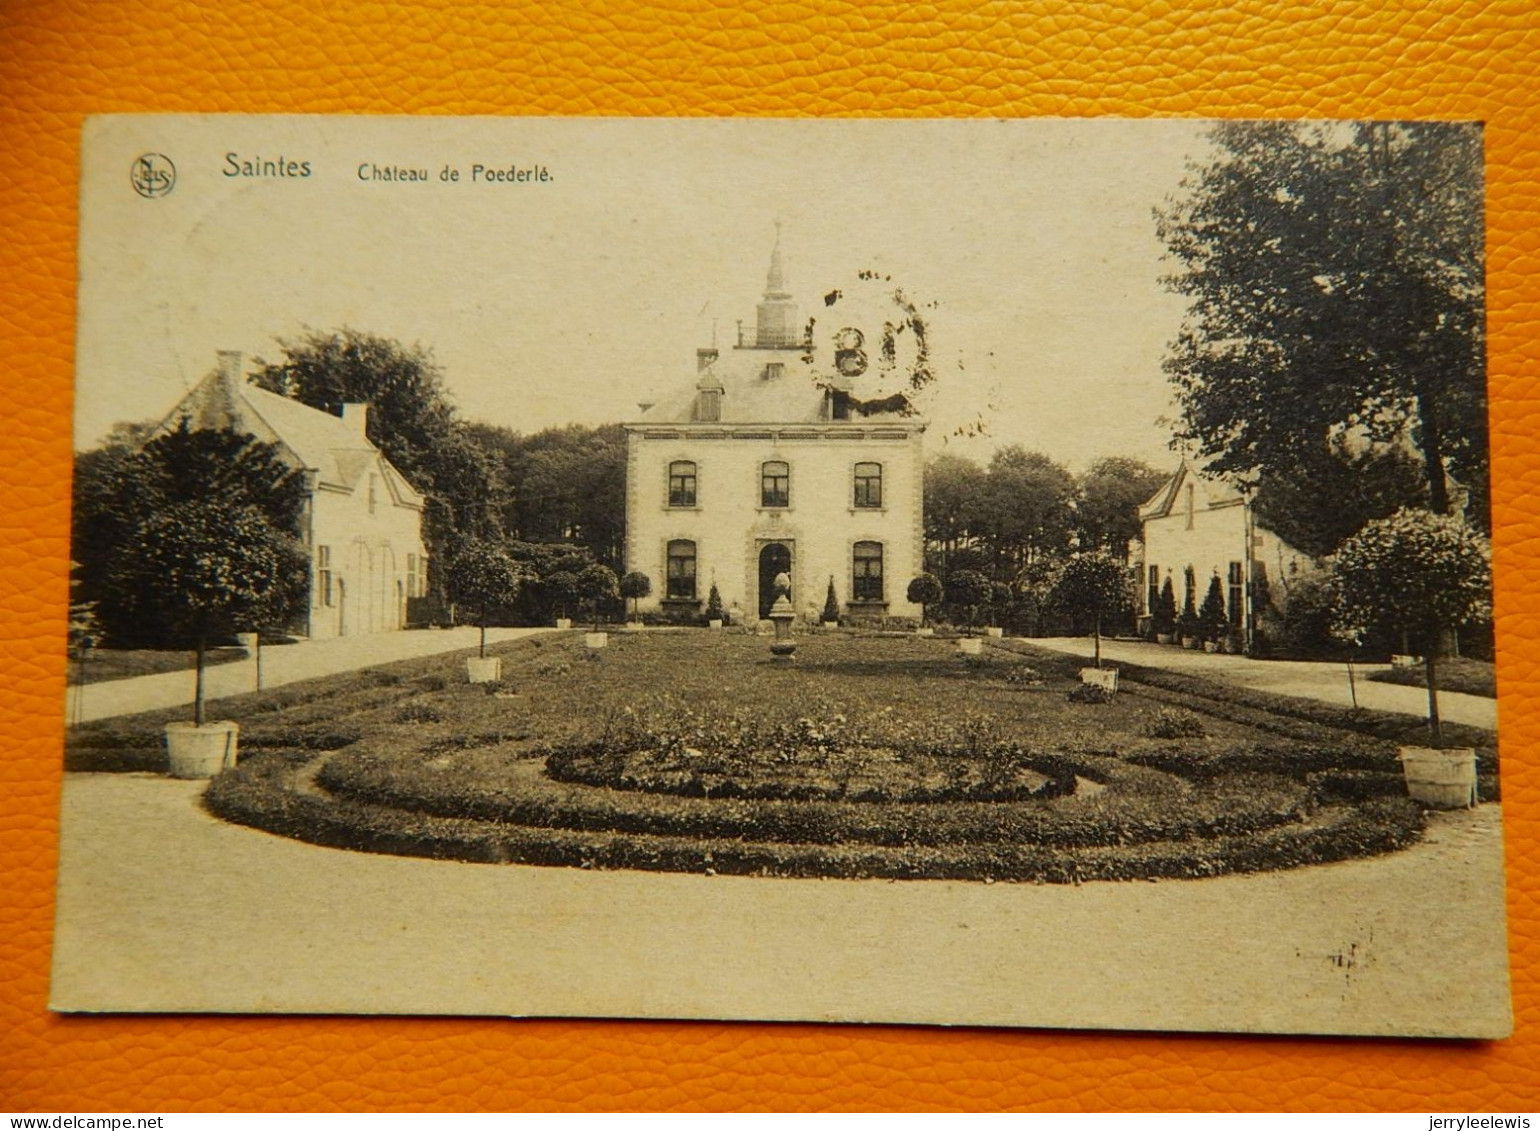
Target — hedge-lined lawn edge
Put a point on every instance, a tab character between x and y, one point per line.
1160	811
264	793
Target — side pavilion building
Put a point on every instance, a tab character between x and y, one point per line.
362	523
750	467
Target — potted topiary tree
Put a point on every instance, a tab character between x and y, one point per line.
597	584
1187	625
1212	620
205	570
633	587
1000	596
968	589
1094	586
924	591
1163	615
561	589
1427	574
484	578
831	607
715	614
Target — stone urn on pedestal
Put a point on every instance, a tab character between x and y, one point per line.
781	615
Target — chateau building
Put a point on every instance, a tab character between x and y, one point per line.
362	522
751	467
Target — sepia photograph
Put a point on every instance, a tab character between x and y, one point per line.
1006	573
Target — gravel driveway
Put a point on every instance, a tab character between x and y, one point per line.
164	908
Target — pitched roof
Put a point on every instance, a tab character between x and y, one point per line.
1216	493
335	449
750	391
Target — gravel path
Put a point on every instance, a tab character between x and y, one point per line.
164	908
281	664
1306	679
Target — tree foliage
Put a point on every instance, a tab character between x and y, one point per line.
831	605
121	488
634	586
564	484
1108	498
1332	493
1335	283
485	578
968	589
1418	571
206	568
411	420
1094	586
597	585
924	591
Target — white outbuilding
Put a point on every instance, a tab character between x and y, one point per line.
362	523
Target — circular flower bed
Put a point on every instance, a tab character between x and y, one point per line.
816	770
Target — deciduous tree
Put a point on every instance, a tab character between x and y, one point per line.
1335	279
206	568
1421	572
411	420
1107	501
1094	586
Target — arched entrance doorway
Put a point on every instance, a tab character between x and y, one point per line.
774	559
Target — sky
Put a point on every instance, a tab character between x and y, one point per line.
569	299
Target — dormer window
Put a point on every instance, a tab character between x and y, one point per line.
708	405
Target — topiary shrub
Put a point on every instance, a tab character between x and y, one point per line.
1212	618
1163	615
633	587
831	605
1090	693
1170	723
924	590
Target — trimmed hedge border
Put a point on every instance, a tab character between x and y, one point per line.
1176	811
261	794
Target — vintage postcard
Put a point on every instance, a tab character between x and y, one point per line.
1027	573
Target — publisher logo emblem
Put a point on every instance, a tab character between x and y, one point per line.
152	174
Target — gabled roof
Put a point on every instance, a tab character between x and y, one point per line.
336	450
1215	493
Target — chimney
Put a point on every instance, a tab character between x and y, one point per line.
357	417
704	357
230	366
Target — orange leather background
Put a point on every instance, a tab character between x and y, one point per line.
59	62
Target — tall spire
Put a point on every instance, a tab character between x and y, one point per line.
777	323
775	281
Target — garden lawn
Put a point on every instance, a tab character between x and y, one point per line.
1453	673
868	755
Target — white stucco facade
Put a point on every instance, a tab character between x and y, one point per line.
749	468
362	523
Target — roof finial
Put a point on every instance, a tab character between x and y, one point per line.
775	282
